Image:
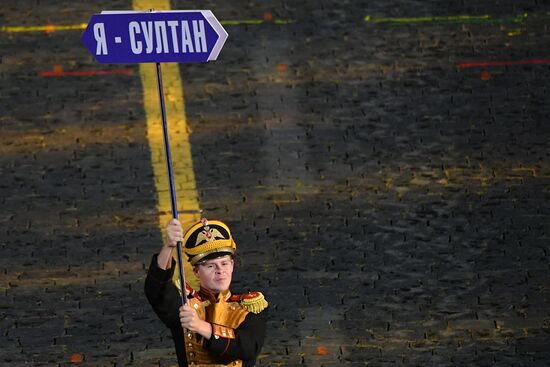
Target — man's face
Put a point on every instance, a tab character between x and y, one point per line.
215	275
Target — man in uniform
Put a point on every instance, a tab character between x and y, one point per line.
215	327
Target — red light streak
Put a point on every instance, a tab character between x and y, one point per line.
502	63
58	71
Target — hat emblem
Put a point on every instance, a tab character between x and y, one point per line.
208	235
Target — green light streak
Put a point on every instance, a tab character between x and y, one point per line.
452	19
255	22
241	22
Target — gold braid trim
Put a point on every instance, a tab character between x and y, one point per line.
255	304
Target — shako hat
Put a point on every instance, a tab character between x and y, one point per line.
208	239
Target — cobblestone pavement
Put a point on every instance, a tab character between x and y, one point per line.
393	205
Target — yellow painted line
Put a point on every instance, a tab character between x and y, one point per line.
184	177
44	28
82	26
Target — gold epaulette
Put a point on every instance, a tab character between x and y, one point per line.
253	302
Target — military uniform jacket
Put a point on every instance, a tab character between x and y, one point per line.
242	340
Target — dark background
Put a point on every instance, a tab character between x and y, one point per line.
392	206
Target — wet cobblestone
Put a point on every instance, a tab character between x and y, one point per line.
392	206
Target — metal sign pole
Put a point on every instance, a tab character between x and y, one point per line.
170	177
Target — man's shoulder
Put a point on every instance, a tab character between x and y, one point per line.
254	302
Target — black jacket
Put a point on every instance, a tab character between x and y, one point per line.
165	299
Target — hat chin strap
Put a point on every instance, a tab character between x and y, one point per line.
195	259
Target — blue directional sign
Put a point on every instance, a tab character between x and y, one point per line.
130	37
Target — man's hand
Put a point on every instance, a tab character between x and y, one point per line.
191	321
174	234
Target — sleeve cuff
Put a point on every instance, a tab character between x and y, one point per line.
218	343
159	274
222	332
